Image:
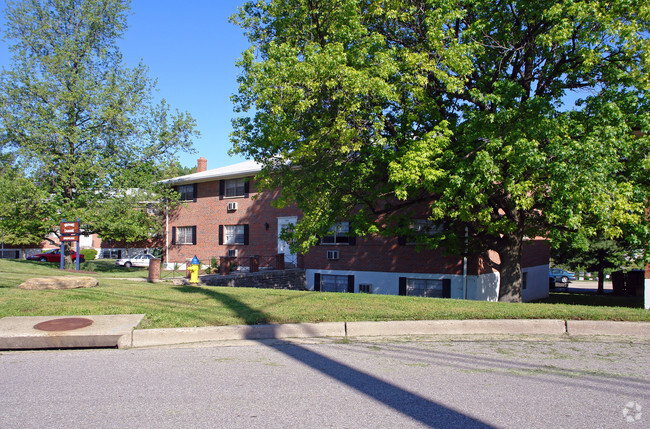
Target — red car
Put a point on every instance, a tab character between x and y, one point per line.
53	255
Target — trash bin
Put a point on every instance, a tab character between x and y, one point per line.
635	282
618	282
154	269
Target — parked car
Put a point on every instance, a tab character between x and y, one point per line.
562	276
53	255
136	261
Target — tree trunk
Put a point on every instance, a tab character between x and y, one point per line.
67	252
510	268
601	281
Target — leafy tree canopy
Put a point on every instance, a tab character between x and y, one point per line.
24	209
79	124
361	110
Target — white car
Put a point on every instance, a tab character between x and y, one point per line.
136	261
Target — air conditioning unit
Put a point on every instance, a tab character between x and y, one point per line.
232	253
232	207
333	254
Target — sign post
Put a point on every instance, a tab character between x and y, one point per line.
69	232
62	253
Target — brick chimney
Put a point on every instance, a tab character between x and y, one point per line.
201	165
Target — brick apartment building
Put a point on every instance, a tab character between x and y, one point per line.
224	215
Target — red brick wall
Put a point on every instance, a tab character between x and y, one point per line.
535	252
209	211
379	254
368	254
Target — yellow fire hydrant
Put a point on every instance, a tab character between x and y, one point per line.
194	270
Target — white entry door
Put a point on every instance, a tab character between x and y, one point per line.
283	246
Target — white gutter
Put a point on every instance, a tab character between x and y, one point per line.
166	235
465	266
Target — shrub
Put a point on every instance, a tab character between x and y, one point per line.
89	254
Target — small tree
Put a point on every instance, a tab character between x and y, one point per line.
597	254
83	126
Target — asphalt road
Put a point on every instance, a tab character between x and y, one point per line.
471	381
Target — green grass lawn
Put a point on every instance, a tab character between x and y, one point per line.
99	268
167	305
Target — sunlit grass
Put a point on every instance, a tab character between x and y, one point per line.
168	305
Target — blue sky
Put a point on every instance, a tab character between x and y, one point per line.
191	48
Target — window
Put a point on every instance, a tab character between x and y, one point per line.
421	228
184	235
332	283
233	234
365	288
524	280
339	234
235	187
426	227
432	288
187	192
333	254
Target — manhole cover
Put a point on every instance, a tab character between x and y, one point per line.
65	324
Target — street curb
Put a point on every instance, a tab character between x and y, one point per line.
596	327
175	336
171	336
458	327
122	331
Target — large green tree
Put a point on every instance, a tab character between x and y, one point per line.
82	125
24	209
363	109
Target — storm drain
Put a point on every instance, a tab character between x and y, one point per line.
65	324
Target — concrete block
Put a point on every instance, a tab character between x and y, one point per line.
19	333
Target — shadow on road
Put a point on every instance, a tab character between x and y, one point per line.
408	403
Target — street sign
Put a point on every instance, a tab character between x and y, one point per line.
69	228
69	238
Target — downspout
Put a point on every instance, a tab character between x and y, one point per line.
465	265
166	235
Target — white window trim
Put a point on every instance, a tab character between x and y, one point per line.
231	237
340	283
191	192
425	227
237	183
339	229
186	233
429	284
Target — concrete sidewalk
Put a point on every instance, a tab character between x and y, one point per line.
121	331
61	332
